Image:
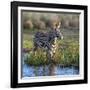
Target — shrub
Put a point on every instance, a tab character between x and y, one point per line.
74	23
39	24
36	59
28	24
65	23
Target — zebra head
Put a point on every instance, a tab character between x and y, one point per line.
58	34
57	31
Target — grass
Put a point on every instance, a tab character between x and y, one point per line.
27	44
67	52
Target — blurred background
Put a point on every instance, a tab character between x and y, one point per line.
44	21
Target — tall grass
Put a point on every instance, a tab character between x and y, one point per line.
67	53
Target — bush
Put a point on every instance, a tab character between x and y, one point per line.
38	59
74	23
39	24
65	23
45	20
28	24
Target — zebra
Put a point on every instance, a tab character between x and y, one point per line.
48	40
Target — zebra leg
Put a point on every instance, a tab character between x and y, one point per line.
49	55
36	45
35	48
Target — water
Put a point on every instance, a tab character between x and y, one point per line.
48	70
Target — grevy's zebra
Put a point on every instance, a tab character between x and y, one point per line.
48	40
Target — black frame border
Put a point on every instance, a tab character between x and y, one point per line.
14	44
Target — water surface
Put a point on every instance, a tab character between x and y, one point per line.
48	70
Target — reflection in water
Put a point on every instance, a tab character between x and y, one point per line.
48	70
52	69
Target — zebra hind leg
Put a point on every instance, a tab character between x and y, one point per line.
34	50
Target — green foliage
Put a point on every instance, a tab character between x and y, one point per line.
67	53
36	59
27	44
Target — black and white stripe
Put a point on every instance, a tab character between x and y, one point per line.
46	40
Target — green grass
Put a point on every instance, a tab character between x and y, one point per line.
67	52
38	59
28	44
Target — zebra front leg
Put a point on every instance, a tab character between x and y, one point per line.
49	55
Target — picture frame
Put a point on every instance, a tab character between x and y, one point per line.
18	12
